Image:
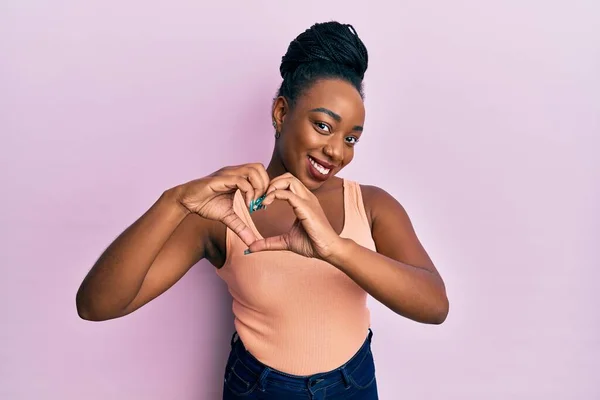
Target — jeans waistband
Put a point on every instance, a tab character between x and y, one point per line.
311	382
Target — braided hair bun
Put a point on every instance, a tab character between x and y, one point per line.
325	50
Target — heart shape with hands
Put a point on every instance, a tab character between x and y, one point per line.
311	234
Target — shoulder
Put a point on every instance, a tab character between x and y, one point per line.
379	203
373	193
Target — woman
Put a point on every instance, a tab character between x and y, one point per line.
299	272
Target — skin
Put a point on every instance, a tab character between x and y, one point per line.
304	215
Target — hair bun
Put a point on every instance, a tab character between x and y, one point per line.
326	42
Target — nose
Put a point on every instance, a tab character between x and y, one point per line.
334	149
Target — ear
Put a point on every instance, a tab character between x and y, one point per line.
280	110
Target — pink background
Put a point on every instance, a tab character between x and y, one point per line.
483	120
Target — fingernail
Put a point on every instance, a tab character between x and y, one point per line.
258	205
247	251
251	207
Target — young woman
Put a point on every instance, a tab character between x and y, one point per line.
300	271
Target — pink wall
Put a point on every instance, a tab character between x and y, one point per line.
483	120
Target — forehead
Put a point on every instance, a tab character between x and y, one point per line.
336	95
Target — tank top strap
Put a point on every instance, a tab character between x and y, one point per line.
356	215
242	209
233	243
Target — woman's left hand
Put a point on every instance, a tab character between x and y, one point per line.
311	234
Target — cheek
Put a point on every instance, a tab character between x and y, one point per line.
309	138
305	139
295	146
348	156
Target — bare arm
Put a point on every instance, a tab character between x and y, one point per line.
149	257
164	243
400	274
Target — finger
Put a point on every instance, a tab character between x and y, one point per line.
257	182
237	182
237	225
252	172
288	183
281	177
283	194
270	244
263	174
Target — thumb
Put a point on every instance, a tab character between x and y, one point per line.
235	223
273	243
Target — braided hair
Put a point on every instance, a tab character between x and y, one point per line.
328	50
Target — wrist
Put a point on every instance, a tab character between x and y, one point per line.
339	249
172	197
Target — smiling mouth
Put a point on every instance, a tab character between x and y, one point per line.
320	168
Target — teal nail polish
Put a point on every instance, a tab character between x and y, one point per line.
247	251
258	204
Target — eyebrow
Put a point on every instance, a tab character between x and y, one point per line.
335	116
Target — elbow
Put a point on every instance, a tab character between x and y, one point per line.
88	312
83	304
431	312
441	310
85	313
440	305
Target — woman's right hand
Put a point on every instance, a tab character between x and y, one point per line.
212	196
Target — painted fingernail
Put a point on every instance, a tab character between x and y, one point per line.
256	204
246	252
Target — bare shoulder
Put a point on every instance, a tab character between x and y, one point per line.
373	193
377	201
392	229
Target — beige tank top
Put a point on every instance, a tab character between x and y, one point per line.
296	314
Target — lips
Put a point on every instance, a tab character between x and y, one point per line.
323	163
318	169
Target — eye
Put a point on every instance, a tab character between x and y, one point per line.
322	126
352	140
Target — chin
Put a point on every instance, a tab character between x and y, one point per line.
307	181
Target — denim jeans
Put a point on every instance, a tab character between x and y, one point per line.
247	378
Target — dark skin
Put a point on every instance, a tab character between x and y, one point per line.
325	123
304	215
311	129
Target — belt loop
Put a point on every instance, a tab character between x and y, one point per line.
263	378
345	377
235	334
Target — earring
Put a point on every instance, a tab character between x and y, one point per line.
277	134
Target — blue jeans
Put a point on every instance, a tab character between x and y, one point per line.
247	378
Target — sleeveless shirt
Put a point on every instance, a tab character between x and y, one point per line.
296	314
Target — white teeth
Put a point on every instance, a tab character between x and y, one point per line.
319	167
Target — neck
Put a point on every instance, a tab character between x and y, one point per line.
275	167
